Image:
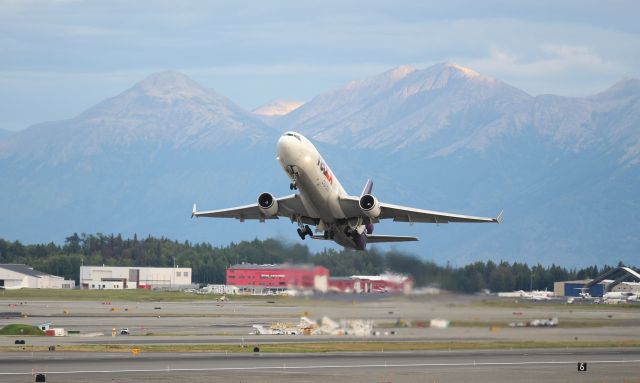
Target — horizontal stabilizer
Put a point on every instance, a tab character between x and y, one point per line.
389	238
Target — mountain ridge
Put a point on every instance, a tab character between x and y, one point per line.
164	109
442	138
406	107
277	107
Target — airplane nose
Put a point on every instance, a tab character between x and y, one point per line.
286	149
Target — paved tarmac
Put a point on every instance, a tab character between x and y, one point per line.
603	365
213	322
201	322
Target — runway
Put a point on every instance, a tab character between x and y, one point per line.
450	366
204	322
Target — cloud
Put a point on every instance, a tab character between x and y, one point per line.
553	60
258	51
552	69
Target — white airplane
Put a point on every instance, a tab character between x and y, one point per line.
322	202
620	296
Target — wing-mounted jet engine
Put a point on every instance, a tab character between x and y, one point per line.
370	206
268	204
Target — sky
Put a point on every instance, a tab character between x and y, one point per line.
59	57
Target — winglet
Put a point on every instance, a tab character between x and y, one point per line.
194	211
500	217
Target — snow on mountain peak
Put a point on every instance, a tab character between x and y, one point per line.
445	72
171	85
466	71
383	80
400	72
277	108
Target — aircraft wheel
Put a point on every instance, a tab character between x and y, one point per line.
331	234
301	234
307	230
326	234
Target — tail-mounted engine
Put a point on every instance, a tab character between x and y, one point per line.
268	204
370	206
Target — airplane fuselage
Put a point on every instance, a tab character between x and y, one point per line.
319	189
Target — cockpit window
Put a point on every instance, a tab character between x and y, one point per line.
294	135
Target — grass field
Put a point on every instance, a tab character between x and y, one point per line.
323	347
135	295
20	329
527	304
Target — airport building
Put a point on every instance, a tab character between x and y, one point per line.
261	279
115	277
574	288
619	279
17	276
385	283
277	278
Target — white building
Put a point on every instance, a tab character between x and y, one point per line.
18	276
114	277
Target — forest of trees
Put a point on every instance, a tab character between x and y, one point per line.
209	263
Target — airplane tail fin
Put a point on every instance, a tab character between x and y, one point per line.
367	187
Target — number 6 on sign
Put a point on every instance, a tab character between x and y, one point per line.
582	367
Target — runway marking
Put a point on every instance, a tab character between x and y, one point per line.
285	367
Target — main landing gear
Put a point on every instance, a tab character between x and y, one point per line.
303	233
349	232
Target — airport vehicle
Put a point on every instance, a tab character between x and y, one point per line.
322	202
125	331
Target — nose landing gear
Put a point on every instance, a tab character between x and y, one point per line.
293	172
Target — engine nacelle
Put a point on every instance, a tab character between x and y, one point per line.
268	204
370	206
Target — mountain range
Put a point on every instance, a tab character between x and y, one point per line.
565	169
5	133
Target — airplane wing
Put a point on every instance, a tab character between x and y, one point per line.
389	238
398	213
288	206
